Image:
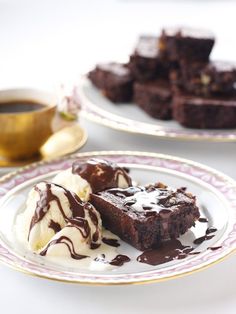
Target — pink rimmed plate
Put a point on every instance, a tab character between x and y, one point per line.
216	197
130	118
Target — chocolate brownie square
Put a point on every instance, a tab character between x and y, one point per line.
186	44
145	63
155	98
206	79
114	79
146	216
204	113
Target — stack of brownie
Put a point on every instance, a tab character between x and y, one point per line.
171	76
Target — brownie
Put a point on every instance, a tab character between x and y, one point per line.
206	79
183	43
204	113
145	62
114	79
154	98
146	216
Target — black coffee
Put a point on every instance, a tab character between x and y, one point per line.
20	106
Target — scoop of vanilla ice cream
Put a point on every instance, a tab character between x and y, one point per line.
74	183
78	237
47	207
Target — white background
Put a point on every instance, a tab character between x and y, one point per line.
48	42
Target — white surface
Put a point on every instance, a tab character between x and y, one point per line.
46	42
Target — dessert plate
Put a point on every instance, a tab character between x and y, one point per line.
216	197
99	109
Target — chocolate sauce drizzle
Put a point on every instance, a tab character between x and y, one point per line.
214	248
70	246
77	220
206	237
100	174
153	199
111	242
46	197
56	227
203	219
119	260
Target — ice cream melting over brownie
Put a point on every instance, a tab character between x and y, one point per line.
101	174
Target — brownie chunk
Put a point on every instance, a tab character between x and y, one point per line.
145	216
114	79
205	113
213	78
145	63
186	44
154	98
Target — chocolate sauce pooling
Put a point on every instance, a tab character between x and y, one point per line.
111	242
169	251
100	174
119	260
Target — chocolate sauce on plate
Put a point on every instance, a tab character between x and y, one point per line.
111	242
206	237
203	219
169	251
119	260
214	248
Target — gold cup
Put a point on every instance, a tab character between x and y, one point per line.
22	134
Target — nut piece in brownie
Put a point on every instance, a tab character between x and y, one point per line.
114	79
186	44
145	216
205	113
213	78
145	63
154	98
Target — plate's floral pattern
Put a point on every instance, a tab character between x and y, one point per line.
222	183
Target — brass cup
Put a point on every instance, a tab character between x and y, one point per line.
22	134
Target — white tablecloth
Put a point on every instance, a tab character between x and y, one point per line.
47	42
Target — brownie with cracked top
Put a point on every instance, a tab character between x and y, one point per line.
146	216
